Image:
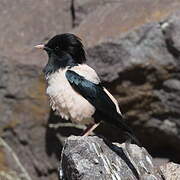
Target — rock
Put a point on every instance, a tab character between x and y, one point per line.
10	166
24	114
9	176
171	171
141	68
112	19
82	8
159	161
172	84
94	158
171	29
26	23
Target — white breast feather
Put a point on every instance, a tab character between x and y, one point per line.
68	103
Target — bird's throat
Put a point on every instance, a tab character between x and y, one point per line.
58	62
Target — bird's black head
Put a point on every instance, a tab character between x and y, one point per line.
63	50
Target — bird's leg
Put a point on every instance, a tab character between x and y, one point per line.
90	129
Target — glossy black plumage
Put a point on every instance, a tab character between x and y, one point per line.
67	44
63	50
96	95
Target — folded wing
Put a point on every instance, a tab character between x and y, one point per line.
95	94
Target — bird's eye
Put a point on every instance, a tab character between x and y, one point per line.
57	48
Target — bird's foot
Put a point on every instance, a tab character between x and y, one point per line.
89	129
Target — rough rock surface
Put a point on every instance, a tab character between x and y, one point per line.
171	171
93	158
10	165
23	120
26	23
82	8
116	17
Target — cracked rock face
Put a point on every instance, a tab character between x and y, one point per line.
93	158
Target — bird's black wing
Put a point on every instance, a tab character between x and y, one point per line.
92	92
95	94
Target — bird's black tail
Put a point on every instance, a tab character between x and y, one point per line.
120	123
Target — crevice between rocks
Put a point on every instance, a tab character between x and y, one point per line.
73	13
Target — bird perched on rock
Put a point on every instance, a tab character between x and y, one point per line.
74	88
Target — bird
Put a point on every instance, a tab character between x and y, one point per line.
75	90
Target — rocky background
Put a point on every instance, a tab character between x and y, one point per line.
135	47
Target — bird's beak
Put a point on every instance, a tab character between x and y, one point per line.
40	46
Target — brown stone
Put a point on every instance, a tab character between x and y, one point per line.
118	17
26	23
